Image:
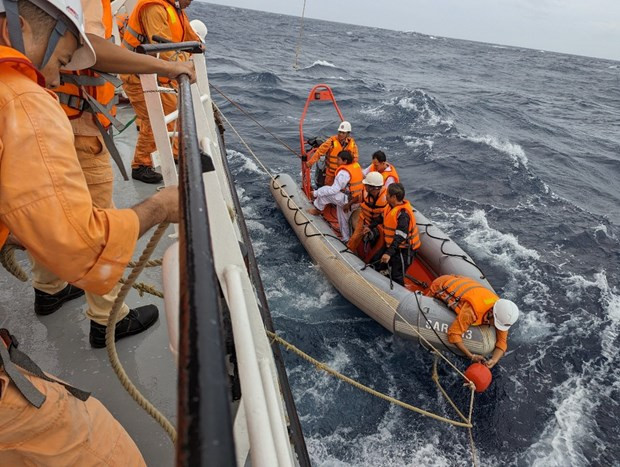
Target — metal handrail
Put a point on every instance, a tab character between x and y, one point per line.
205	434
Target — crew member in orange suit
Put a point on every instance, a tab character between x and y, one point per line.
88	99
45	203
474	304
343	141
166	19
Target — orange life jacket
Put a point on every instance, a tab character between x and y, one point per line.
390	171
456	290
11	58
373	208
390	223
355	186
331	164
89	91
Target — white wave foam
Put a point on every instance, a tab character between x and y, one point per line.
515	151
320	63
603	228
248	165
429	115
414	142
560	443
374	112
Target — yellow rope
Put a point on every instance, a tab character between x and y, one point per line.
7	259
291	348
151	263
111	346
143	288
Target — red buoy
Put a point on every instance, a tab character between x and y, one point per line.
480	375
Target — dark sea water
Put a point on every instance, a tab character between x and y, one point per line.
515	153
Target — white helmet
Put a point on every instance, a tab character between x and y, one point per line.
505	314
68	15
345	126
199	28
373	179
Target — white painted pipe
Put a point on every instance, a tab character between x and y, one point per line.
262	450
172	116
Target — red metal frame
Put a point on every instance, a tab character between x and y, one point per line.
320	92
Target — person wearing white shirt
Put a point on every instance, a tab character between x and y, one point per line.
336	194
380	164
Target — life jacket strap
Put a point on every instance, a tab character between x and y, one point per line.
11	358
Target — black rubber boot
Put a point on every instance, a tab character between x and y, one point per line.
46	303
146	174
137	320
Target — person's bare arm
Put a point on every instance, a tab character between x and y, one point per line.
114	59
163	206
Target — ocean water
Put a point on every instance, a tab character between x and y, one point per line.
515	153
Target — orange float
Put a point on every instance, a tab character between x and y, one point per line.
480	375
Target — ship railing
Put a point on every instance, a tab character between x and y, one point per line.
212	269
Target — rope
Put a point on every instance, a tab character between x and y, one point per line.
143	288
151	263
7	259
245	112
301	32
291	348
111	346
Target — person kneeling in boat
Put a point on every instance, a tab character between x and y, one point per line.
400	232
332	147
372	205
380	165
347	185
474	305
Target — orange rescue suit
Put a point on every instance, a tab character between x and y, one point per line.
330	149
471	301
355	186
76	83
390	171
372	209
177	21
44	199
13	59
390	222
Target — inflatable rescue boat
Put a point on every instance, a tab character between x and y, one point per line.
405	311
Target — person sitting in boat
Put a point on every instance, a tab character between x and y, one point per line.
347	185
372	205
168	20
474	304
387	170
343	141
400	233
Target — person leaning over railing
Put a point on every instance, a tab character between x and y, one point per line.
45	203
86	104
166	19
